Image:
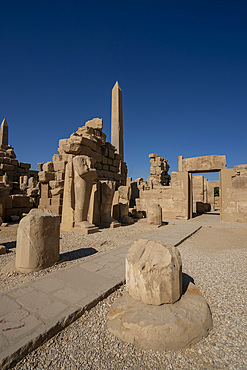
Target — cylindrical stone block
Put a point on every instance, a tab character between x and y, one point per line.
154	214
37	241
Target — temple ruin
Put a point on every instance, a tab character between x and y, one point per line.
80	182
86	183
19	190
185	195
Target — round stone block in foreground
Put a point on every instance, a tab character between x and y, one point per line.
159	328
153	272
37	244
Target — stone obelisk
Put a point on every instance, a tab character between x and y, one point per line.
4	134
117	120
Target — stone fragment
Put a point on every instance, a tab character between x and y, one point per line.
37	241
154	214
95	123
154	272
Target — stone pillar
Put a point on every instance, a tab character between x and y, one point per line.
107	188
117	120
37	241
4	133
154	214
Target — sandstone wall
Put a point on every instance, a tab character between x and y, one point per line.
234	194
173	199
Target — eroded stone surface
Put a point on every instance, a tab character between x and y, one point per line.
37	244
154	272
166	327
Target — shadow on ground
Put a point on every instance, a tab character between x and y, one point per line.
9	245
77	254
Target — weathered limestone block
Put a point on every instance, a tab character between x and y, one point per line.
95	123
45	177
154	214
107	188
154	272
207	163
124	197
48	167
37	241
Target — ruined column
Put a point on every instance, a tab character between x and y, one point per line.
4	133
117	120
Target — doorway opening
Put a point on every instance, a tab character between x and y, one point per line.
205	193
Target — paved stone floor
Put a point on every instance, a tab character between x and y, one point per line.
35	311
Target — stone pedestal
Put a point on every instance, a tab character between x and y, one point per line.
169	327
155	313
107	188
37	241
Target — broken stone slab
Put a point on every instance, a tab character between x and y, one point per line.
153	272
37	244
161	328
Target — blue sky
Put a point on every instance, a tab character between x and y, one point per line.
182	67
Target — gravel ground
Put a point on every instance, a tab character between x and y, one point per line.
216	259
72	247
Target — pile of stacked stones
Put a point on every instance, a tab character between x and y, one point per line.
90	141
15	181
159	171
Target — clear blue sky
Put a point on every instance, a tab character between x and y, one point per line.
182	67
